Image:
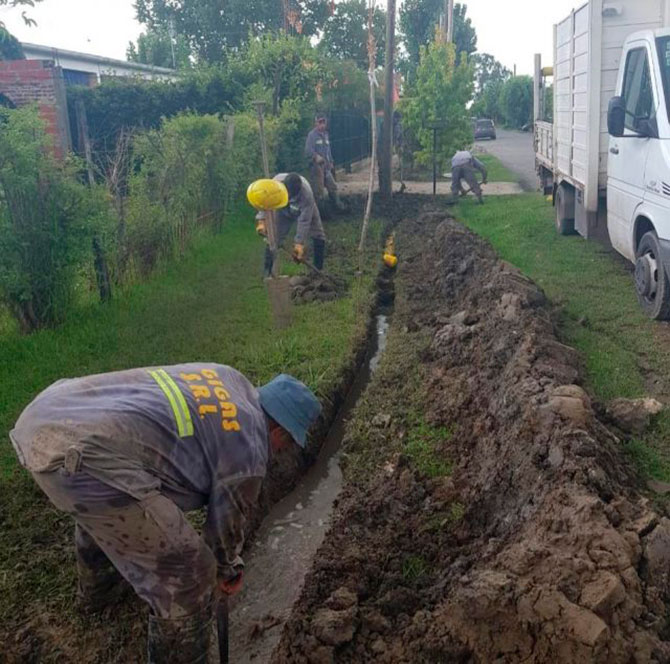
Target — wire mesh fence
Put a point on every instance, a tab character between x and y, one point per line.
349	137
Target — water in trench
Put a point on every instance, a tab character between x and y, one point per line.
291	533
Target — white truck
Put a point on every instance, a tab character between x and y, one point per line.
606	155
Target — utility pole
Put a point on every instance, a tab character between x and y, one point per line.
385	166
450	21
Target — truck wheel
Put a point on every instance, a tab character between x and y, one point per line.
651	279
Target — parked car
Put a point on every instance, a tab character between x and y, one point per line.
485	129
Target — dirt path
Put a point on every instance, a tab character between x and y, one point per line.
487	515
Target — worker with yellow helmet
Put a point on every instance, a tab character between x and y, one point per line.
291	195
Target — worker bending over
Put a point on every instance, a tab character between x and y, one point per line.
321	164
128	453
463	167
300	206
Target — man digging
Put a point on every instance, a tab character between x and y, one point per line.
128	453
291	195
463	167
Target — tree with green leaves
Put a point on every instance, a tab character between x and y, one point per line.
212	28
419	20
159	48
443	88
281	67
10	46
516	101
490	77
345	33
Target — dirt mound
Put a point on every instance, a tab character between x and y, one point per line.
537	546
316	288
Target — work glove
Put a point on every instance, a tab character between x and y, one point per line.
230	577
260	228
298	252
232	586
319	160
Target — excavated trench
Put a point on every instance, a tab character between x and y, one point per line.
291	532
487	515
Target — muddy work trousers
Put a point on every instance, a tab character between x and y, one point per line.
322	179
284	223
467	173
149	542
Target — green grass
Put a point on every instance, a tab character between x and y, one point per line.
425	446
497	171
212	306
599	312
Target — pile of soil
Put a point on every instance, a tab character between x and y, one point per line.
537	547
316	288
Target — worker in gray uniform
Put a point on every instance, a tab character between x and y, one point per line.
463	167
302	209
321	164
128	453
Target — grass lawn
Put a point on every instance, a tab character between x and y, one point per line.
497	171
599	313
211	306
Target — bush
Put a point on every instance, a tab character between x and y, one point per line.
47	222
190	171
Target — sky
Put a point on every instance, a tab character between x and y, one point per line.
511	30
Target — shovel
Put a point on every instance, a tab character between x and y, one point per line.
222	627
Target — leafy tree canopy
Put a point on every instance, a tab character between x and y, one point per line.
443	88
345	33
516	101
418	21
10	46
212	28
158	48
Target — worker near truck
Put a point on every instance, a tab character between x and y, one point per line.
128	453
297	205
321	164
463	167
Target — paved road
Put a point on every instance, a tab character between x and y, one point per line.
515	150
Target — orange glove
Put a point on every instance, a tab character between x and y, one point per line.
232	586
298	252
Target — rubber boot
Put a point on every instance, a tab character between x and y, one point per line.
180	640
319	253
267	262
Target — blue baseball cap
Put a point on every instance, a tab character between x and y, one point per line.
291	404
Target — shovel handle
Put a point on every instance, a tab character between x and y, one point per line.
222	627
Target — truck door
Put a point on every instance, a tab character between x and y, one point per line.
628	155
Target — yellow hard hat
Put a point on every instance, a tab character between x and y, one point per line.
390	260
267	195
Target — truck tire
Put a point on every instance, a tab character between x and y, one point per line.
651	278
565	210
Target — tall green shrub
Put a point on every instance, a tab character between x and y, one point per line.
191	168
47	221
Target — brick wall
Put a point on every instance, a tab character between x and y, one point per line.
39	81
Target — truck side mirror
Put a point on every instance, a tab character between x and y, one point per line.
616	115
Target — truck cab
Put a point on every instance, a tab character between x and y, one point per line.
638	167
